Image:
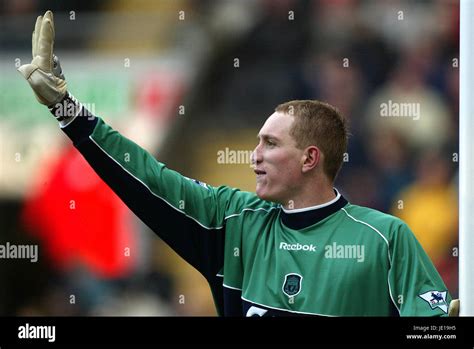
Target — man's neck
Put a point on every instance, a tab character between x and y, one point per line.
311	198
305	217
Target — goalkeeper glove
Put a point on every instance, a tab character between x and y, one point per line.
454	308
44	72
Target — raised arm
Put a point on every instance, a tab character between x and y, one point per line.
186	214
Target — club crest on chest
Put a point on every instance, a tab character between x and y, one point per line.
292	284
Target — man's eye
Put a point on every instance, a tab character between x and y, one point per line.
270	143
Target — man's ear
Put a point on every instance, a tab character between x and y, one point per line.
311	158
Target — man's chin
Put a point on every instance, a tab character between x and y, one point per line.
261	194
266	196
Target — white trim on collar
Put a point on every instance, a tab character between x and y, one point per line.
304	209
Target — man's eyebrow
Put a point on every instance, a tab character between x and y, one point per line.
267	137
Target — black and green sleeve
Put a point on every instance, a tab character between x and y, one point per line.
186	214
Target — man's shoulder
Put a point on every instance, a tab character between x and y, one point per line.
240	200
382	222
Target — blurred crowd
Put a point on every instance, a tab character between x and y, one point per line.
360	56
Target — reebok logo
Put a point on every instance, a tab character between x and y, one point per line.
297	247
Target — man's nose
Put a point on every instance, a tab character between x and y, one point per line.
256	156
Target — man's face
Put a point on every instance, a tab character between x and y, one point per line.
277	160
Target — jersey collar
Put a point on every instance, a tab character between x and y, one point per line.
304	217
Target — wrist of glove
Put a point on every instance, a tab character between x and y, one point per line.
66	110
44	73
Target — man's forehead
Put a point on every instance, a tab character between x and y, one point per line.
277	125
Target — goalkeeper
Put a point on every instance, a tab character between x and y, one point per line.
296	247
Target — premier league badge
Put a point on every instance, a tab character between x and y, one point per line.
436	299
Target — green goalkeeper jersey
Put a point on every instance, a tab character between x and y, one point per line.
336	259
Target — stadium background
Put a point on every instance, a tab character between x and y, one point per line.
189	79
